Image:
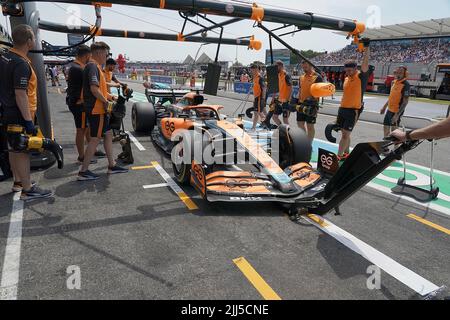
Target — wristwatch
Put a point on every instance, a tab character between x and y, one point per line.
408	135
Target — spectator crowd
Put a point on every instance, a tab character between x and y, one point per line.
404	51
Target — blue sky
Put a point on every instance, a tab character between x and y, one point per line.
390	12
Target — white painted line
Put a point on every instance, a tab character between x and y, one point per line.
390	266
11	263
154	186
170	182
175	187
135	141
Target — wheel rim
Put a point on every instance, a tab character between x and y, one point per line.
179	151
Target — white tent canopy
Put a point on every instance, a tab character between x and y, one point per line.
415	29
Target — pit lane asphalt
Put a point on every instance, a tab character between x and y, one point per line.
132	243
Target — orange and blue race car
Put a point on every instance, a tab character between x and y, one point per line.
225	163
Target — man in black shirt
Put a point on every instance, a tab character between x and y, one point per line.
18	98
74	96
98	108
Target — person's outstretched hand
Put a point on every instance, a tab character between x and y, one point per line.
399	134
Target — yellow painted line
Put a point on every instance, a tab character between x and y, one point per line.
143	167
319	220
429	223
255	279
187	201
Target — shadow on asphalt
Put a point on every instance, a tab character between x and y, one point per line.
6	200
73	188
347	264
130	266
229	209
398	202
69	170
42	226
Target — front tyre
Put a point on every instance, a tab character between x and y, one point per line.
294	146
181	169
182	156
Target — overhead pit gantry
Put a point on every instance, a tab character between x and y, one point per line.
86	30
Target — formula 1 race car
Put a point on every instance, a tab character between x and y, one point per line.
247	171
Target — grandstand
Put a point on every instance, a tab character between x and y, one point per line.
421	46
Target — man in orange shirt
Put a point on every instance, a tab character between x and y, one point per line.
284	94
111	79
352	100
259	93
97	106
398	100
305	99
18	97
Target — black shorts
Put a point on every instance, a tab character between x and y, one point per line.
347	118
259	104
79	116
98	124
301	117
12	116
282	108
388	119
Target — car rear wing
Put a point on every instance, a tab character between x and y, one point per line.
166	92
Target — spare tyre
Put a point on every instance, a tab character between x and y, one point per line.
143	117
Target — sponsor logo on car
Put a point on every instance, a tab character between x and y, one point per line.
246	198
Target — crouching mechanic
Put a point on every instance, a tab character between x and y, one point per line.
18	96
259	93
355	85
398	100
96	102
306	100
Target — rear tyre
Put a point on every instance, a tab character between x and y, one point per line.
294	146
143	117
